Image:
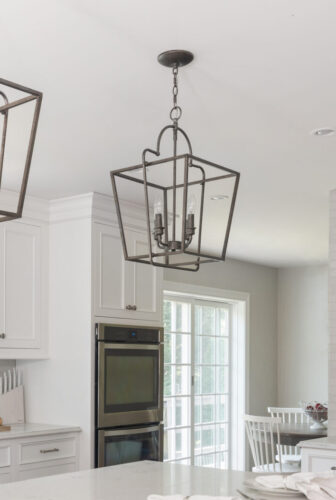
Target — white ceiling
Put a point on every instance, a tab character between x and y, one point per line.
264	76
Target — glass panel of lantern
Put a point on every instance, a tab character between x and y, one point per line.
16	126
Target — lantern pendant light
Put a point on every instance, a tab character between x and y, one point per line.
187	202
19	114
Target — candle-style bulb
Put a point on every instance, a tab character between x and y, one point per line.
191	206
158	206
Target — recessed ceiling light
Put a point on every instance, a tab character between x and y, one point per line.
323	131
219	197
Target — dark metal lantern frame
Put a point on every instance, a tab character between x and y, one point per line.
33	95
169	248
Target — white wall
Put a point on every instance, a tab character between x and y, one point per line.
261	283
5	364
302	335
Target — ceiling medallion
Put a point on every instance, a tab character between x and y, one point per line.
184	228
19	114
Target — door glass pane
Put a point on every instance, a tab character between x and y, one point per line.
205	350
177	412
177	444
182	380
222	437
168	348
205	320
222	379
167	383
182	343
223	321
222	460
204	379
222	350
208	379
208	409
222	408
167	315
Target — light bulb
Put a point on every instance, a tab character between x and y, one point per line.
191	206
158	206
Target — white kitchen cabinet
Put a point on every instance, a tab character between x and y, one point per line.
318	455
36	453
45	470
123	289
21	303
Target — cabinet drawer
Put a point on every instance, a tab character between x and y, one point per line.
5	456
42	451
319	463
50	470
317	460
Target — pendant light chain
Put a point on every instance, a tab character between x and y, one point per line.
176	111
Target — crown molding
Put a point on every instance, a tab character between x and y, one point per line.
71	208
96	206
104	210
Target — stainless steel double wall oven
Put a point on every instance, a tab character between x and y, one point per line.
129	394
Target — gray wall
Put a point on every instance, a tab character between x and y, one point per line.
302	335
261	283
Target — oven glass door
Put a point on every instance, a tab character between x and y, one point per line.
129	445
129	382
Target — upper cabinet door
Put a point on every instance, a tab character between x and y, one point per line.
123	289
20	286
146	282
111	275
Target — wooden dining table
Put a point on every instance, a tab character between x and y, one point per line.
292	434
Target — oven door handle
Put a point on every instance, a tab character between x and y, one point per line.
138	347
124	432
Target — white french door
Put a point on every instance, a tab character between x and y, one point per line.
197	381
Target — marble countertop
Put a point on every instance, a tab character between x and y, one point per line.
27	430
327	443
133	481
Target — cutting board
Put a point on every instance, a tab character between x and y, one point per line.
11	406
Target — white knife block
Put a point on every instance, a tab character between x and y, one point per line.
12	407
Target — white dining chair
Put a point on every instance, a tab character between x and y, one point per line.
264	436
289	454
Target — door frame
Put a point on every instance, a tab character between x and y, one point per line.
240	302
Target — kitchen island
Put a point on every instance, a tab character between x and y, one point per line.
133	481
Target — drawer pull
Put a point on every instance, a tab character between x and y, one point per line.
131	308
333	467
50	450
2	335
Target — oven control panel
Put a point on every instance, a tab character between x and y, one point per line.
125	334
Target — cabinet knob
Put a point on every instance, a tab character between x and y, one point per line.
2	335
131	308
333	467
